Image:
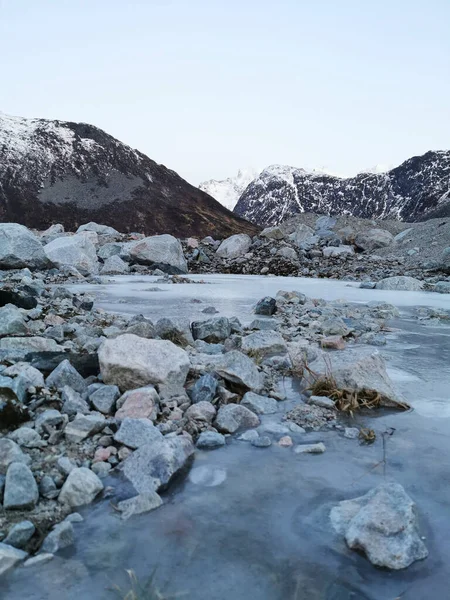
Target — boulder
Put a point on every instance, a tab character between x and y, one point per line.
212	330
301	234
260	405
442	287
160	251
142	503
135	433
318	448
10	452
357	369
444	263
112	249
25	371
239	369
62	536
272	233
233	417
84	426
20	534
266	306
234	246
288	253
204	389
325	222
129	361
382	524
209	440
66	375
373	238
114	266
74	251
202	411
403	234
20	248
17	348
263	344
177	331
99	229
12	321
400	283
104	398
21	490
73	402
26	437
151	467
141	403
48	418
10	557
81	487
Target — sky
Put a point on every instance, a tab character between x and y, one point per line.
207	87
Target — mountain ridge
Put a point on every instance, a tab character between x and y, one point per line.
417	189
60	171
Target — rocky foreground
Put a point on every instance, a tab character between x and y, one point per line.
85	394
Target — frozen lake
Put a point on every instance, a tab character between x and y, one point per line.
262	532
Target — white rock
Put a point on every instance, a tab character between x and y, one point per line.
401	283
75	251
160	251
235	246
81	487
310	448
129	361
20	248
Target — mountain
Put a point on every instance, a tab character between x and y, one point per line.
416	190
73	173
228	191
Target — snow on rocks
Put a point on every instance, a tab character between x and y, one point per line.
383	524
129	361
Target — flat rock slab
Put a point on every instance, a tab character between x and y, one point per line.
140	504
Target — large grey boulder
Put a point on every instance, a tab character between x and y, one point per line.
74	251
115	266
239	369
18	347
66	375
209	440
61	536
152	466
97	228
177	331
335	251
442	287
138	403
111	249
12	321
10	452
234	246
204	389
20	534
373	238
301	234
383	524
203	411
234	417
135	433
81	487
104	398
160	251
357	369
262	344
21	490
20	248
272	233
10	557
401	283
212	330
129	361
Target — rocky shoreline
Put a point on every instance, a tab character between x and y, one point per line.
85	395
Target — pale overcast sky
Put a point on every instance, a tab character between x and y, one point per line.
206	87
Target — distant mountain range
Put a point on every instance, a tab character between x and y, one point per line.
228	191
73	173
418	189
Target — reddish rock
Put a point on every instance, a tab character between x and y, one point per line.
285	441
101	454
141	403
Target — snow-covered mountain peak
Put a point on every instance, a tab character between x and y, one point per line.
228	191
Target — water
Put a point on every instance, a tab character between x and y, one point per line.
252	523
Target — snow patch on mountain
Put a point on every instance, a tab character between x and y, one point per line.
228	191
